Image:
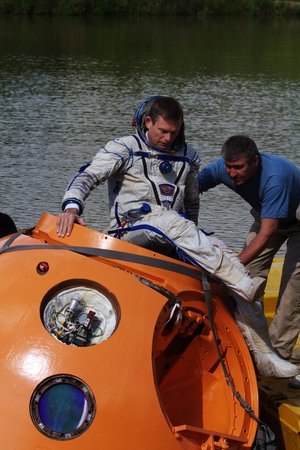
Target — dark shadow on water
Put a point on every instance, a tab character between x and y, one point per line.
176	44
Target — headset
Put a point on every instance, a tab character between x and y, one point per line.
141	112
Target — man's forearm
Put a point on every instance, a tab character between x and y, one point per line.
253	249
267	229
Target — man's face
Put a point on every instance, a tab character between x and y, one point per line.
162	133
240	170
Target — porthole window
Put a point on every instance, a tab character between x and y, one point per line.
62	407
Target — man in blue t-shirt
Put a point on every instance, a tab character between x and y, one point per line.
271	185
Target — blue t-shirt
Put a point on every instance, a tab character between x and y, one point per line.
274	191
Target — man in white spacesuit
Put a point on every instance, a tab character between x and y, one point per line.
152	180
154	196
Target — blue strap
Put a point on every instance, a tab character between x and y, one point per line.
181	253
117	214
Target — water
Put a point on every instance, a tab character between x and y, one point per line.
67	86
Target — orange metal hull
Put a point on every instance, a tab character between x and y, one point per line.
154	386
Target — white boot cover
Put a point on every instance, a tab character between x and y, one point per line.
254	327
235	275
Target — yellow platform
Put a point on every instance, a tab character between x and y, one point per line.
280	404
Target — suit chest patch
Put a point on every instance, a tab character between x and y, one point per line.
166	189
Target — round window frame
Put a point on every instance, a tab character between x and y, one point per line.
54	381
86	284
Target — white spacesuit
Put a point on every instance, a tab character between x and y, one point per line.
154	202
159	190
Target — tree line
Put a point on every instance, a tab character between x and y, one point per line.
153	8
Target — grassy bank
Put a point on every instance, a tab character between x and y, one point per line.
156	7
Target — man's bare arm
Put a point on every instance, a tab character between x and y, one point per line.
267	229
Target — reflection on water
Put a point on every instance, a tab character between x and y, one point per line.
69	85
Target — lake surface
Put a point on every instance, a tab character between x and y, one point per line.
68	85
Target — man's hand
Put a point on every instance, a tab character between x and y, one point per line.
267	229
66	220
